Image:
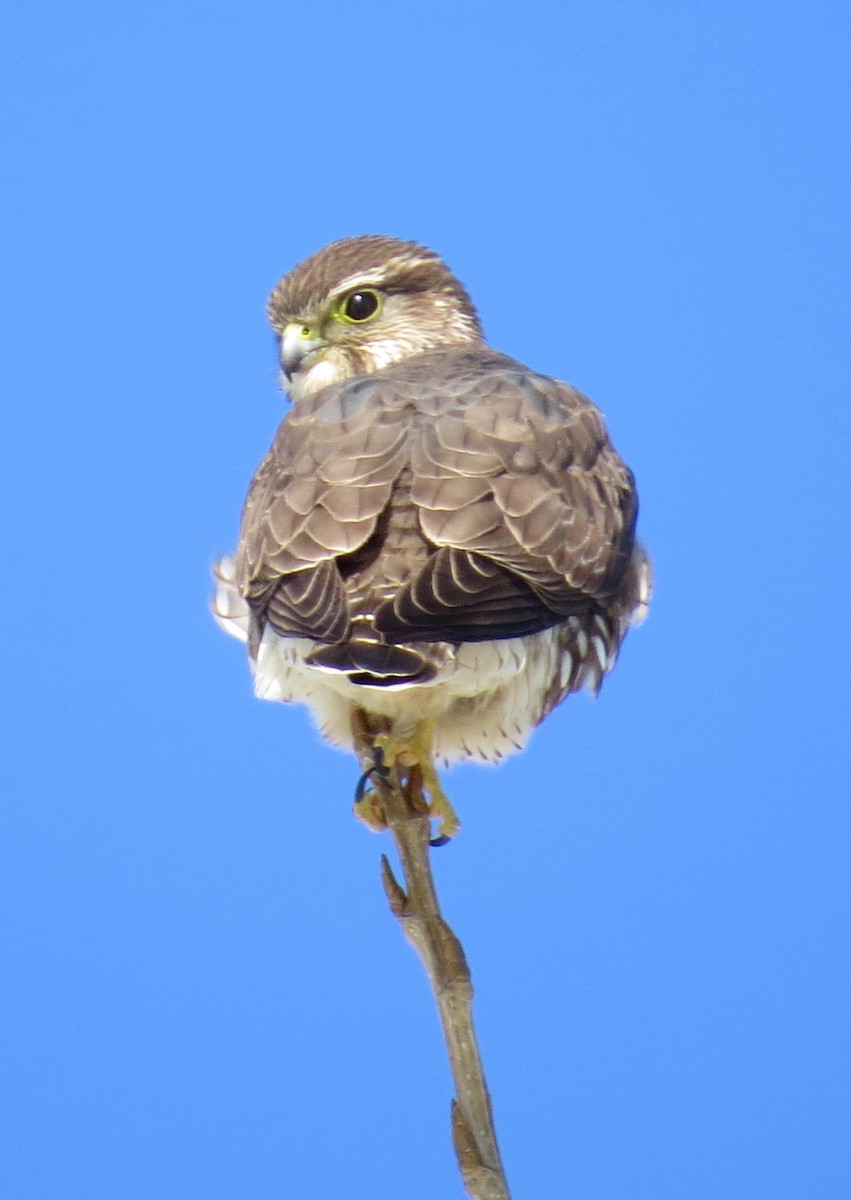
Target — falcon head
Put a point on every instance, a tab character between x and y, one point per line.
362	303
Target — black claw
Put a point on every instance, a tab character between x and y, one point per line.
377	768
360	789
440	840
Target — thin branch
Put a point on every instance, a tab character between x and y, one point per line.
418	912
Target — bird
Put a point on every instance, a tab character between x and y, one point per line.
440	545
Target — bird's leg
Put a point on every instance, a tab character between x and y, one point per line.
368	806
416	750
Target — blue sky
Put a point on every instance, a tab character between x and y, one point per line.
204	995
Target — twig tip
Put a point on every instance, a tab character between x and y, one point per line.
396	897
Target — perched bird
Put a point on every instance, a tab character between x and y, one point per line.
440	544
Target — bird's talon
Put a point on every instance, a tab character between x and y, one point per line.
360	788
368	807
379	768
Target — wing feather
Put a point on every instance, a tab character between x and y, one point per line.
316	497
538	491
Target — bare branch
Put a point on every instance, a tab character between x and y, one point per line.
418	912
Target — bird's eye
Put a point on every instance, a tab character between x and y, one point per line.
360	305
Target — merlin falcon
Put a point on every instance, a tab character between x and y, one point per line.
440	545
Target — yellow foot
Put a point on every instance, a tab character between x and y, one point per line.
371	811
416	751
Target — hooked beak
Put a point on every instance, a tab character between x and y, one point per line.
298	344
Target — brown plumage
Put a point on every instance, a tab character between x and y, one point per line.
437	532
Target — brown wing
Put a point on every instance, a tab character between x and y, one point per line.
317	497
516	482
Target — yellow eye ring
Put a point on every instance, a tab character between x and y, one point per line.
360	305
